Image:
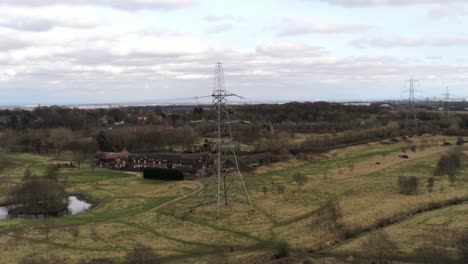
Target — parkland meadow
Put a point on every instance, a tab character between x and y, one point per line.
359	181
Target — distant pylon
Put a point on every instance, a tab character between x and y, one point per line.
411	111
225	158
447	102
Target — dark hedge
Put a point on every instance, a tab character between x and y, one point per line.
163	174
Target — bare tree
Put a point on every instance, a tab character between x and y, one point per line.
220	256
38	196
300	179
430	184
280	188
34	259
141	254
330	215
74	231
51	172
379	247
46	227
27	174
408	185
93	233
462	245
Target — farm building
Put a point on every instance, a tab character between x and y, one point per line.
192	165
108	159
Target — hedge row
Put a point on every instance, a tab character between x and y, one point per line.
163	174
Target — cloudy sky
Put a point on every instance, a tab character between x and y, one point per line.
93	51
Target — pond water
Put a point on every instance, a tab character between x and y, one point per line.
75	206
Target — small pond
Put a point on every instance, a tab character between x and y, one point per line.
75	206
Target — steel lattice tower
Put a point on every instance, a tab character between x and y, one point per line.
411	111
447	102
225	158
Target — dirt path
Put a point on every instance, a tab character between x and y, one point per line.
200	188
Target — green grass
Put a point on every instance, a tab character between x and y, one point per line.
125	213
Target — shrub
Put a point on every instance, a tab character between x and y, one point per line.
430	184
5	161
93	233
330	215
300	179
39	196
98	261
51	172
141	254
34	259
163	174
462	245
450	163
433	255
281	250
27	175
408	185
280	188
220	256
74	231
379	247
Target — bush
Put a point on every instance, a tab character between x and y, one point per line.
330	215
462	245
280	189
450	163
33	259
408	185
51	172
430	184
433	255
300	179
163	174
141	254
39	196
281	250
98	261
379	247
5	161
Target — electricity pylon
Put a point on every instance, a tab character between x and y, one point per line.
411	111
447	102
223	146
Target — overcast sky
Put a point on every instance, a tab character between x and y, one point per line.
91	51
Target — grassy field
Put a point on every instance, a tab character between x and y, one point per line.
361	178
433	231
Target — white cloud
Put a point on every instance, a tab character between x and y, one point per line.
448	11
48	18
293	26
392	42
224	18
287	49
219	28
355	3
118	4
